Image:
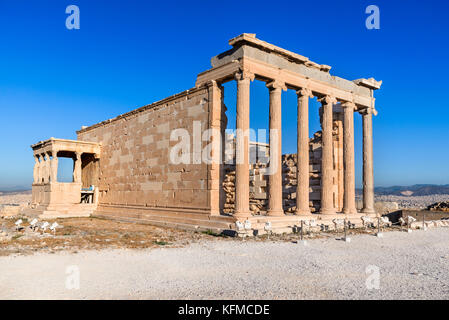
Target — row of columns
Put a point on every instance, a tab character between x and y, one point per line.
46	167
303	173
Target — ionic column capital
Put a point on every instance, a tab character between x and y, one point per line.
276	84
366	111
244	75
349	105
304	92
328	100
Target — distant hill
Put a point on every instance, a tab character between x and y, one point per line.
415	190
16	189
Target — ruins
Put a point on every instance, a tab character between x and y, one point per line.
123	167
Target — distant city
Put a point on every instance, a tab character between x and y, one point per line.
413	190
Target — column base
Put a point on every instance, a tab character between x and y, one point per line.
302	212
368	210
350	211
328	211
241	215
275	213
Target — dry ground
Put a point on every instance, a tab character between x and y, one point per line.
124	260
399	266
93	234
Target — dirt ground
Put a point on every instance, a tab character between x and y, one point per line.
76	234
91	233
400	265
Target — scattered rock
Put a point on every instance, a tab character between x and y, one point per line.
439	206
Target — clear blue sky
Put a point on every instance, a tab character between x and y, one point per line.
131	53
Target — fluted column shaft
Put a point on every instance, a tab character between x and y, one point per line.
302	166
54	167
40	168
36	169
242	146
368	177
46	171
275	174
77	168
327	172
348	155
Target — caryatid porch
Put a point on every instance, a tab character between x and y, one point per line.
252	59
51	198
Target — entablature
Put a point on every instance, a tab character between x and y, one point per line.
62	145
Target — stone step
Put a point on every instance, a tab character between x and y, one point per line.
204	222
60	211
168	212
162	222
49	214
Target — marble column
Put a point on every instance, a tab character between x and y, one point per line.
54	166
40	168
348	158
36	169
242	146
302	166
275	170
327	163
77	168
46	171
368	178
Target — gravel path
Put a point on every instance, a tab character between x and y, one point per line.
411	266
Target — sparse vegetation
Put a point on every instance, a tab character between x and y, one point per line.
211	233
161	243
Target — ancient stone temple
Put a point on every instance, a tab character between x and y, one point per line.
124	168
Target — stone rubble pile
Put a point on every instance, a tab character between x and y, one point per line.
289	182
229	189
429	224
259	182
439	206
258	194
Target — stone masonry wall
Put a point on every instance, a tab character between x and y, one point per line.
135	168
